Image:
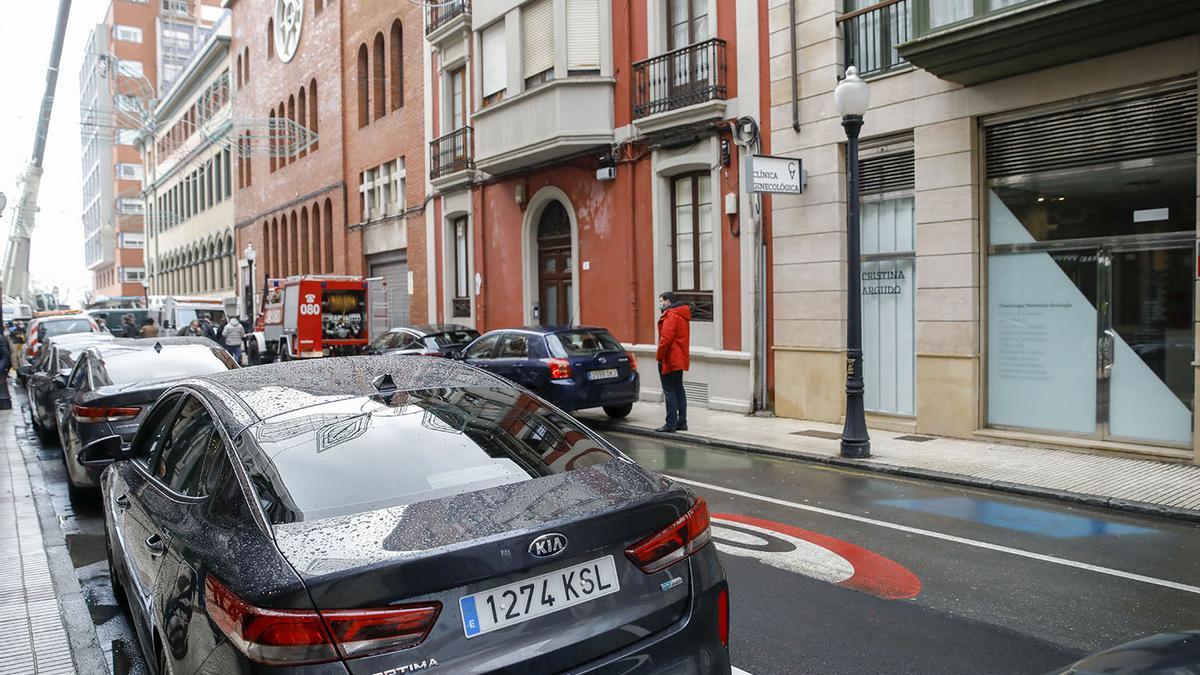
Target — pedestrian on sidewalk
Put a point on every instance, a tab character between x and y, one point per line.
5	364
232	334
128	328
674	357
149	330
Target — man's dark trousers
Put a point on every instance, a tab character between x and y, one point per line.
672	386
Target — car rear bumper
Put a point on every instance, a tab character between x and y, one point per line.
691	645
571	395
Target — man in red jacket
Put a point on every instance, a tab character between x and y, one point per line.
674	357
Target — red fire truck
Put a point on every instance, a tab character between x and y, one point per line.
317	315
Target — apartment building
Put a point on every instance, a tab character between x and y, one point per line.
137	49
586	155
1029	179
189	164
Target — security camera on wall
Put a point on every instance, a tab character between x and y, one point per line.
606	173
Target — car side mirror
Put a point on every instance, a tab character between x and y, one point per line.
102	452
60	381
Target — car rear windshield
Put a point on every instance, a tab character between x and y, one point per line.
449	338
113	318
365	453
144	364
582	343
52	328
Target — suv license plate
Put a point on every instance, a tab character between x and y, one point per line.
605	374
521	601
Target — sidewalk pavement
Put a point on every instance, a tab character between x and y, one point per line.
1139	485
33	638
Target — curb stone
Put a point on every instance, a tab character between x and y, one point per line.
1115	503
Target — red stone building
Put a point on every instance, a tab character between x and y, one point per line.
585	156
319	192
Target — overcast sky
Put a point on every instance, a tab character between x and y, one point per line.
25	37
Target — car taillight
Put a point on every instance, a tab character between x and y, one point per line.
677	541
104	414
723	616
296	636
632	360
560	369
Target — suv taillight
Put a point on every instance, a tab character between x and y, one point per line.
632	360
677	541
560	369
297	636
104	414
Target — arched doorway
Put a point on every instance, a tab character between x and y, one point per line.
554	277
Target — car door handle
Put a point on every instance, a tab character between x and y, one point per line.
155	543
122	501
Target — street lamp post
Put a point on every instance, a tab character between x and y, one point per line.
250	254
852	97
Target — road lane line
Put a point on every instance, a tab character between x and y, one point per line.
738	671
950	537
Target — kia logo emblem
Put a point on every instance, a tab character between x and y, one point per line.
548	545
603	360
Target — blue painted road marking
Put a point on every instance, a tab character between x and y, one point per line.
1018	518
470	618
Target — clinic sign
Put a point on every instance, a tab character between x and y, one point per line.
766	173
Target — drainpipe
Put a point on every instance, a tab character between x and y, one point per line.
758	354
795	76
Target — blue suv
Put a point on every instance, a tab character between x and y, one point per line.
573	367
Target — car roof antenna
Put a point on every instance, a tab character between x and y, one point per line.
384	384
158	347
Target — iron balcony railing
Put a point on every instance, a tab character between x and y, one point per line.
443	12
870	36
453	152
679	78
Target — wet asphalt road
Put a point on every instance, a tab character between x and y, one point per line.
839	571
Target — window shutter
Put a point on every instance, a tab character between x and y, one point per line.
537	37
495	59
583	34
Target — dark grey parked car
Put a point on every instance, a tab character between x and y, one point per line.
443	339
113	384
393	514
57	360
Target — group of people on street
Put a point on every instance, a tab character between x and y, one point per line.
229	335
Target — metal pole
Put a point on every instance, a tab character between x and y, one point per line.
856	443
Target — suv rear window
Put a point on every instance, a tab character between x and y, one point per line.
52	328
361	454
582	343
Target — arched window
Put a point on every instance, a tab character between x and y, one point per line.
318	5
246	65
271	125
270	38
294	264
317	259
364	79
265	261
239	71
397	64
289	137
327	220
313	117
303	248
302	119
379	78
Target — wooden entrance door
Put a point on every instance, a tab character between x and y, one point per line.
554	261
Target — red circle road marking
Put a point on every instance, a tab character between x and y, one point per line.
873	573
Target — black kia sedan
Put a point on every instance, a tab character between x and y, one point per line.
113	384
56	362
396	514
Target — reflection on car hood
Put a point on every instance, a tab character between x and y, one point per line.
320	547
1163	653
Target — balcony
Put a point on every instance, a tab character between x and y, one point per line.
975	41
683	86
548	122
870	36
451	158
447	19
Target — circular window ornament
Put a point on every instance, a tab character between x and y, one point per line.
289	18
